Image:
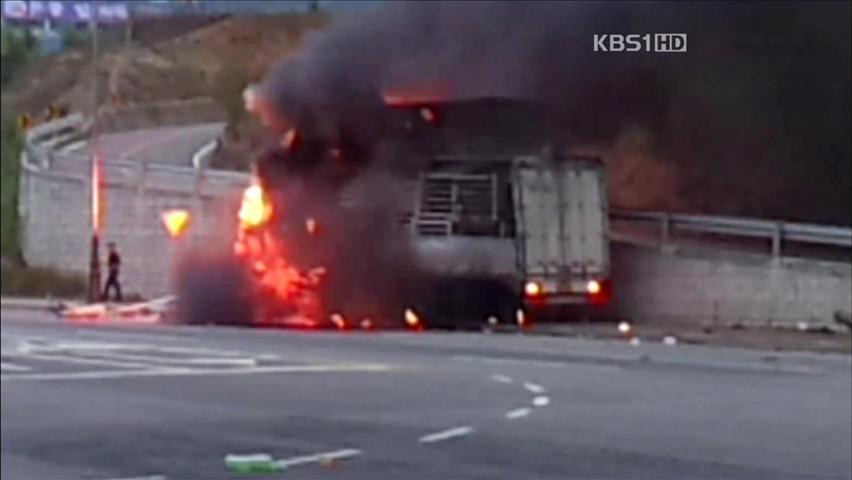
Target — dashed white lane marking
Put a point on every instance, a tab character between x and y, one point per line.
534	388
446	434
541	401
501	379
319	457
517	413
12	367
183	372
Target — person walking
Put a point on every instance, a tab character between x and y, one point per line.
113	269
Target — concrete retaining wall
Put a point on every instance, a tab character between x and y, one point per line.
724	288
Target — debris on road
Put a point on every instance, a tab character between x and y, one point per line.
669	340
253	463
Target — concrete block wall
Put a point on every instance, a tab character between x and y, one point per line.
722	288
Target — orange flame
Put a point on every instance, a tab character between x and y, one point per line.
255	209
176	222
265	255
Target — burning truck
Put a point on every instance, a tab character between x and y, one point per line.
453	213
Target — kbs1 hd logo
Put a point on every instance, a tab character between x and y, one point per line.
656	42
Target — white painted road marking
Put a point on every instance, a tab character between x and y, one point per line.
541	401
446	434
517	413
534	388
83	360
148	477
179	372
12	367
112	355
501	378
319	457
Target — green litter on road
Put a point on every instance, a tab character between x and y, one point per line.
252	464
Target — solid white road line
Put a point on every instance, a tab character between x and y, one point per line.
541	401
319	457
147	477
12	367
188	372
517	413
150	359
501	378
446	434
534	388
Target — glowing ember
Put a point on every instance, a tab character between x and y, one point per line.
338	321
289	139
254	210
520	317
411	318
176	222
428	114
311	226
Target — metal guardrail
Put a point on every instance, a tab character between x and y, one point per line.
775	231
46	131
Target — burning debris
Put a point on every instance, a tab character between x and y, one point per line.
176	222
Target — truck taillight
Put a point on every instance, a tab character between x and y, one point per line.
532	289
593	287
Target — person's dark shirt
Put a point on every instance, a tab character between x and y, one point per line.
113	262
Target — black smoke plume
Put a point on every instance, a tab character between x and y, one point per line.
754	118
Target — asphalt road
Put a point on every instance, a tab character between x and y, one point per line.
169	402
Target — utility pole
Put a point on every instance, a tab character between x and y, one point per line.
94	257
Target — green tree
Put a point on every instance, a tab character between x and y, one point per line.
16	49
10	150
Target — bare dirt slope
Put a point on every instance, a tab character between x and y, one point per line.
217	59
